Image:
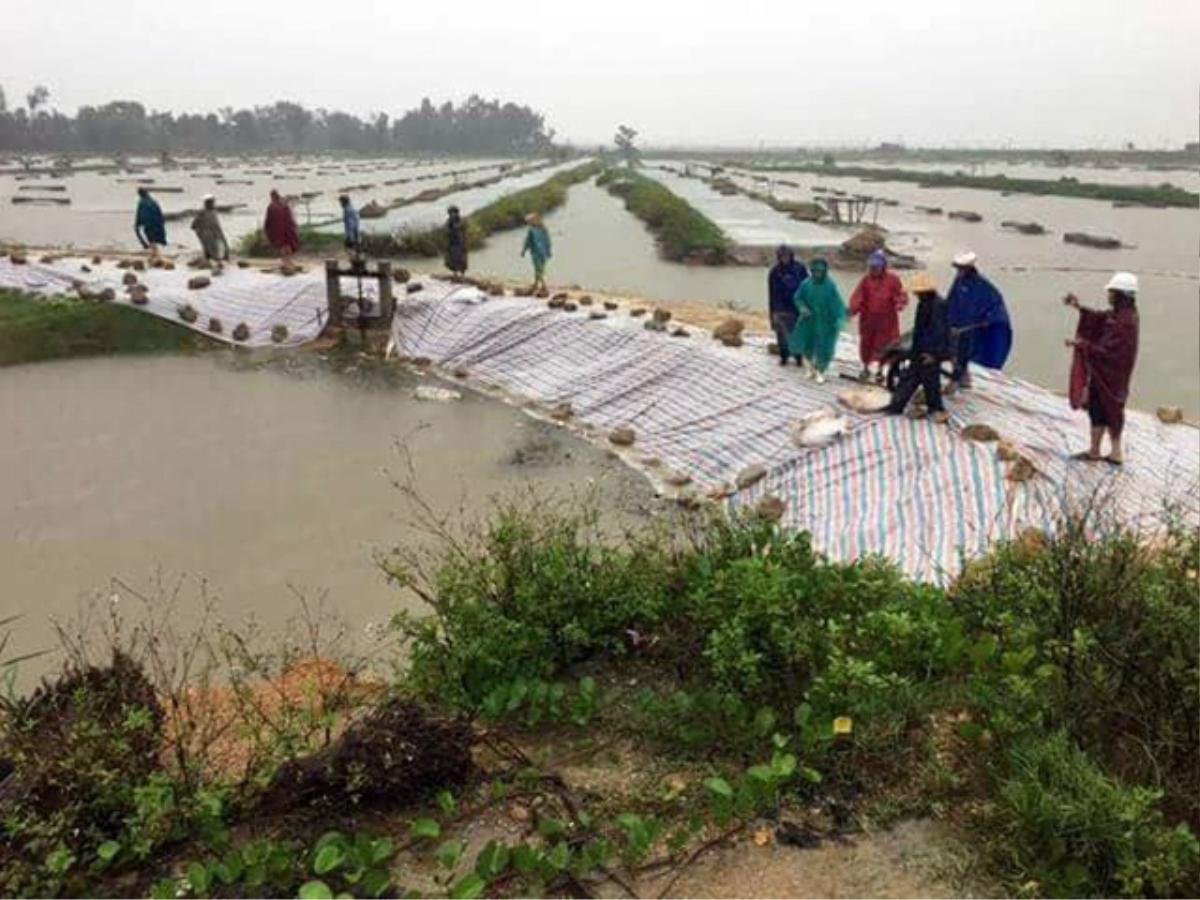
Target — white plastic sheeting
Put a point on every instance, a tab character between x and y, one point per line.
747	222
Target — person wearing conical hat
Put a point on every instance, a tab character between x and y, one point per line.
930	345
537	244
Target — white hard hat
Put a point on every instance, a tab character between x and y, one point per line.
208	197
1125	282
965	258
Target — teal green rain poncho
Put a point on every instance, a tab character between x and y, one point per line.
821	313
537	244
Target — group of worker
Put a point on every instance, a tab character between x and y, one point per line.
969	325
279	226
281	233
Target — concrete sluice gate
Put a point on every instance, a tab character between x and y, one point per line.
696	417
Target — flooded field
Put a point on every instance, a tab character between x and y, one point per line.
1186	178
599	245
256	480
102	202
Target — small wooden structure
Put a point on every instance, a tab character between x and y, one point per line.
851	210
375	312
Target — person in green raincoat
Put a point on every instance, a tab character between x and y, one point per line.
820	313
537	245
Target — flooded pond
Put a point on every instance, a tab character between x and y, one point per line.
600	246
255	479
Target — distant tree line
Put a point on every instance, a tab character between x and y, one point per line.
474	127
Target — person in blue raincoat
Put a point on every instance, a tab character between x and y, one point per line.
149	224
351	226
537	244
978	319
783	281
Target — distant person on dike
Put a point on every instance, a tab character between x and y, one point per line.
877	301
149	224
537	243
280	227
979	324
783	281
350	226
820	314
1106	346
930	345
456	243
208	229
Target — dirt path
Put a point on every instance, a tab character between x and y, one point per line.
913	859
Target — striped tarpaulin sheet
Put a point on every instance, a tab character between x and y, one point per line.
915	492
260	300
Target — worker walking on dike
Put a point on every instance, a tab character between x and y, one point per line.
877	301
149	224
351	226
280	227
979	324
212	238
783	281
820	312
456	243
1106	346
537	243
930	345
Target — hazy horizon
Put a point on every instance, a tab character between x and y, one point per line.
1058	73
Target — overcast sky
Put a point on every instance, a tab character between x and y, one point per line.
948	72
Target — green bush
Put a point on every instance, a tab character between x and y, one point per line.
747	622
535	596
1058	819
1098	632
86	785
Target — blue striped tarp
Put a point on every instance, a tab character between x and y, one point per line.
913	491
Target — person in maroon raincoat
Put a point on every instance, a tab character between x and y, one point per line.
280	227
1105	345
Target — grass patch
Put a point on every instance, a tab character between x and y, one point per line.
34	329
683	233
1163	195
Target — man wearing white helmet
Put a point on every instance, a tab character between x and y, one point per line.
1105	345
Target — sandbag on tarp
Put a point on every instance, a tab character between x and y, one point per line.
915	491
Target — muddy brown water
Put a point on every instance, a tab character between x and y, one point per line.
258	480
